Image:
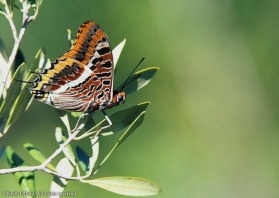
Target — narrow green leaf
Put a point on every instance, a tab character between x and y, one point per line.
65	118
3	2
10	110
40	61
37	155
76	114
70	37
2	12
25	179
136	123
129	186
22	102
83	159
95	153
90	123
143	78
19	59
124	118
32	2
17	101
38	5
68	151
3	71
14	89
14	159
2	151
3	52
10	4
65	168
16	5
117	51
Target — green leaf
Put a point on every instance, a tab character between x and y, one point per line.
70	37
32	2
65	168
65	118
25	179
90	123
19	59
2	151
40	61
21	104
16	5
143	77
37	155
3	69
14	89
3	2
117	51
10	4
76	114
83	159
136	123
37	7
15	102
129	186
3	52
124	118
95	153
68	151
88	164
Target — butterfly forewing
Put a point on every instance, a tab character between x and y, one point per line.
81	79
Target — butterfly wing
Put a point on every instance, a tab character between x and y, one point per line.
81	79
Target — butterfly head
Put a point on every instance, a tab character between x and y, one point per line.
118	97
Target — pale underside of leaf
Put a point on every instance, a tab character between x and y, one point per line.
68	151
117	51
130	186
64	168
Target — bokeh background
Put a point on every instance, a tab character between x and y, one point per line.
212	128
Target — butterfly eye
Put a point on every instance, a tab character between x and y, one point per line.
119	98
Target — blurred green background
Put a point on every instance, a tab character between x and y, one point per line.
212	127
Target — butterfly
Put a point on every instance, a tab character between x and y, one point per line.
81	80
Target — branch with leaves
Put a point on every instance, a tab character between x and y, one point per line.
84	166
76	163
9	5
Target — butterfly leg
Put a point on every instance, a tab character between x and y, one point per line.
97	132
81	117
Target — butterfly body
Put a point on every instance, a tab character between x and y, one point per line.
82	79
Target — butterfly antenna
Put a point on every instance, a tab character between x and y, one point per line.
126	81
135	78
31	72
23	81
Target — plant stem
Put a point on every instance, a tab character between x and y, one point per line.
17	37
